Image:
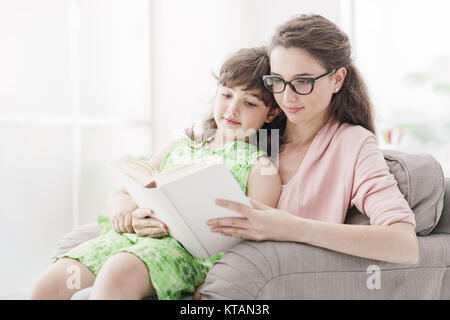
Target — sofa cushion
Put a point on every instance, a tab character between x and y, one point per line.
444	222
421	180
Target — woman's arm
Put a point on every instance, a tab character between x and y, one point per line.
396	243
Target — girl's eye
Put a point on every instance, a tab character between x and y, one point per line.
250	104
226	95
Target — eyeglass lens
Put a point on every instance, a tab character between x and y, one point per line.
277	85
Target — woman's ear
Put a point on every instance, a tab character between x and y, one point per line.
339	77
272	114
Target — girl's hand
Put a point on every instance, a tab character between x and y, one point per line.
147	226
259	223
121	220
120	208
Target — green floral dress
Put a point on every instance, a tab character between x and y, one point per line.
172	269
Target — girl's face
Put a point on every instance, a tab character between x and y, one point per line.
239	113
294	63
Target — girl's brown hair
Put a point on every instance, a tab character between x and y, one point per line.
244	68
323	40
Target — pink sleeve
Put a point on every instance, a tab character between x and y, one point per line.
375	191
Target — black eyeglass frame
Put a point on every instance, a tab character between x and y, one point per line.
311	80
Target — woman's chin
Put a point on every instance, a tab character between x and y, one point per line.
295	118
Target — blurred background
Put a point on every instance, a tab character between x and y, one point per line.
84	82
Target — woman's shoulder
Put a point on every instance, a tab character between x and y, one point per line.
354	131
354	134
345	141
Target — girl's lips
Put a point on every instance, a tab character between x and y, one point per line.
229	121
294	110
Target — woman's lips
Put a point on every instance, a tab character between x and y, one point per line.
229	121
293	110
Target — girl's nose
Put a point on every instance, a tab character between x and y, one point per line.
234	106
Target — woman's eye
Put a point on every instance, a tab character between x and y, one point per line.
301	82
226	95
250	104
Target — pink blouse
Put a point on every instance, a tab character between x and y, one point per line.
344	168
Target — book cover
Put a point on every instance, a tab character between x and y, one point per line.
184	199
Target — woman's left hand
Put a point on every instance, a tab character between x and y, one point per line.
258	223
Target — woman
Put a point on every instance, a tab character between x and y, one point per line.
331	161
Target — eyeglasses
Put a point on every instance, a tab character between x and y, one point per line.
302	86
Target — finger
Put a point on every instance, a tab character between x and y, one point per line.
152	232
258	205
141	213
235	206
161	223
236	233
228	222
147	223
128	223
116	227
121	226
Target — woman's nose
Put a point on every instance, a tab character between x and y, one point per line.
289	95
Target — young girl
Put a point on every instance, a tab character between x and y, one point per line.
122	263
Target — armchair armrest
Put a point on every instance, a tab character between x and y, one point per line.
74	238
286	270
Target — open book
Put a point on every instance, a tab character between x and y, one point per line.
184	199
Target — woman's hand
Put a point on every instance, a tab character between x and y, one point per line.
259	223
147	226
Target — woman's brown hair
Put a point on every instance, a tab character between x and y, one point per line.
245	68
323	40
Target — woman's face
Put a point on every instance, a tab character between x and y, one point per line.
294	63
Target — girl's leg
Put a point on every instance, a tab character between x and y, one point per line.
61	280
123	276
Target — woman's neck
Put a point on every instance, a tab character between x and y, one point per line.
303	133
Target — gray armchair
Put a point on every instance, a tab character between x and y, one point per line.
283	270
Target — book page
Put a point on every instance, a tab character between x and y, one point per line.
187	169
138	170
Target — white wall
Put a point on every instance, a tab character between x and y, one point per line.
192	38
